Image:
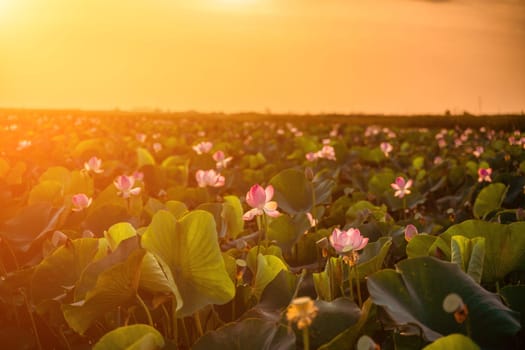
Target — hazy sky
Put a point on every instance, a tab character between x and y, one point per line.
386	56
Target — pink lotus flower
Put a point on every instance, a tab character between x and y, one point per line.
124	185
203	147
410	232
347	241
327	152
311	156
386	148
157	147
260	199
94	164
209	178
401	187
484	174
478	151
138	175
141	137
221	160
80	201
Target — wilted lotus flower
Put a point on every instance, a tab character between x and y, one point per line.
221	160
301	311
203	147
260	199
124	185
209	178
410	232
386	148
401	187
94	164
80	201
347	241
484	174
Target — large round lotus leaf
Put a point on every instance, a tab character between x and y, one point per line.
60	271
190	252
116	286
428	245
332	318
453	342
144	157
415	293
380	182
268	267
251	333
360	212
504	246
293	192
373	256
47	191
81	182
232	214
286	230
251	257
152	277
489	199
515	297
366	324
133	337
30	225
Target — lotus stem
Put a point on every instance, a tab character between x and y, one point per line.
350	284
175	328
306	338
185	332
358	283
167	323
31	317
146	310
198	323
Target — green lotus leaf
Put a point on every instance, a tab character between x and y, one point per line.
232	213
380	182
348	338
133	337
489	199
115	287
332	318
152	276
360	212
189	251
415	293
514	296
30	225
89	147
469	255
178	209
286	231
250	333
47	191
373	256
268	267
504	246
453	342
144	157
61	270
261	249
80	182
428	245
293	192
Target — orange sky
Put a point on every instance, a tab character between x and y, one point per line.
386	56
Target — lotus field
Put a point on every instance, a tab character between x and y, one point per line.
162	232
